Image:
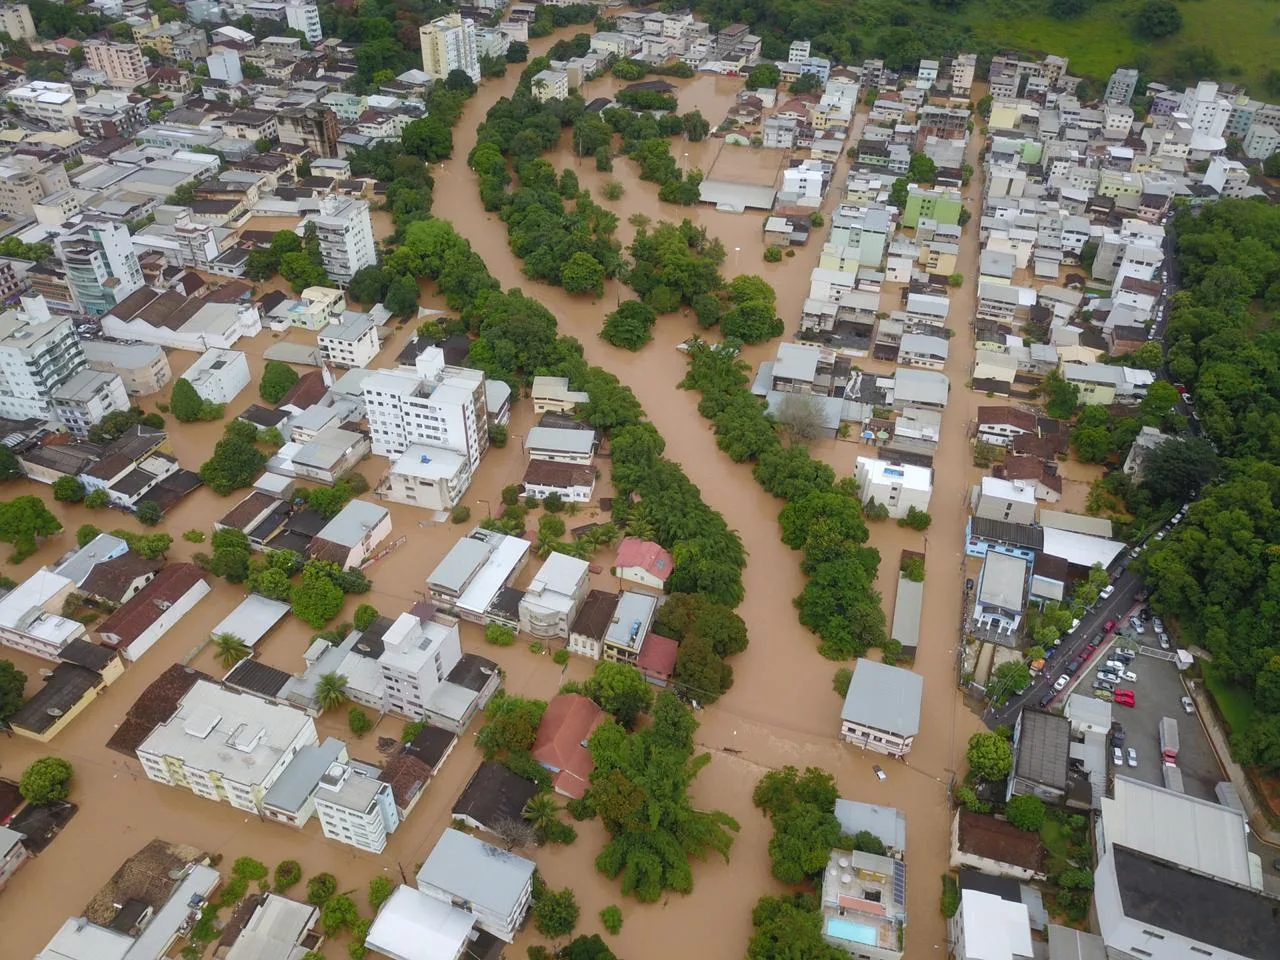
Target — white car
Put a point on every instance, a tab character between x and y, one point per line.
1133	757
1160	535
1164	641
1130	676
1187	705
879	772
1115	666
1061	682
1138	626
1108	677
1118	755
1157	625
1106	592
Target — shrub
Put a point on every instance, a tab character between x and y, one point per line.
321	888
68	490
950	896
380	891
460	514
553	503
97	499
612	190
555	913
611	919
580	809
359	721
46	781
498	435
510	495
773	254
193	536
148	513
288	873
499	635
915	519
249	868
840	682
86	533
560	657
365	616
1025	813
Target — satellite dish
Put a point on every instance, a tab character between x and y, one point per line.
54	712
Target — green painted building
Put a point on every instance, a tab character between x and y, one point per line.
942	206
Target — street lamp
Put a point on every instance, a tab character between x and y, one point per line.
736	252
486	506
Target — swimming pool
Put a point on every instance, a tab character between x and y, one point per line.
843	929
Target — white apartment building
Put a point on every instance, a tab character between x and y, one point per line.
46	101
417	656
436	405
963	67
882	708
550	85
432	478
86	398
224	64
1121	86
896	486
449	43
219	375
304	15
31	615
25	181
225	746
345	231
353	343
123	63
494	884
102	267
39	353
16	21
1207	111
1261	141
355	807
554	597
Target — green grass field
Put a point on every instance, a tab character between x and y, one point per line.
1235	702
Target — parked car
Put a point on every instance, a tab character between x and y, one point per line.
1133	756
1061	682
1160	535
1157	625
1047	699
1109	626
1145	613
1074	665
1106	676
1117	736
1115	666
1135	551
1164	642
1117	755
1188	705
1126	698
1106	592
1123	654
1104	685
879	772
1130	676
1139	627
1102	693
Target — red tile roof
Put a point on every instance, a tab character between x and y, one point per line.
569	721
633	552
131	620
1007	415
658	657
999	840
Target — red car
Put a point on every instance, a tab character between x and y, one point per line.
1125	698
1109	626
1088	652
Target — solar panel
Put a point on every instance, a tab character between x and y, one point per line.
900	882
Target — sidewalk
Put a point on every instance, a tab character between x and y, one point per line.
1209	721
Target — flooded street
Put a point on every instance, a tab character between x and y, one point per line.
781	710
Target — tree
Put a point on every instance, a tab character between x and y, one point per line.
10	468
68	490
148	513
365	616
278	378
514	831
542	812
517	52
96	499
752	322
802	416
86	533
840	682
235	463
868	842
12	684
402	297
1092	444
380	891
1061	396
1025	812
630	325
780	790
696	126
899	192
230	649
428	138
789	928
1175	470
1067	9
187	406
802	840
331	691
316	598
22	520
499	635
582	273
1158	18
1007	679
511	725
621	690
922	169
700	673
288	873
555	913
990	757
338	913
320	888
358	721
46	781
460	82
763	75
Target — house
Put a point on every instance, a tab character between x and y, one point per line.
863	904
996	847
560	745
408	778
561	443
474	571
259	516
643	563
886	824
83	672
432	478
899	487
922	350
31	615
352	343
552	395
657	659
1069	942
1041	747
628	630
218	375
1148	439
349	538
119	578
553	598
13	854
493	884
988	927
252	619
1041	475
571	482
413	925
140	622
586	635
920	388
1002	592
492	795
882	708
1012	501
276	929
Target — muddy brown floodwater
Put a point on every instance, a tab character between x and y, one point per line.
781	709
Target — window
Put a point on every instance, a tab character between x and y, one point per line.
1153	934
1202	952
1140	952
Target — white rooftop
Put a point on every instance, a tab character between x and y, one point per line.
414	926
253	618
994	928
1015	490
428	463
22	609
484	586
906	475
1080	549
560	439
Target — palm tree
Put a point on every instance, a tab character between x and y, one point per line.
542	811
230	649
331	691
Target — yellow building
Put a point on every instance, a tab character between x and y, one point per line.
84	671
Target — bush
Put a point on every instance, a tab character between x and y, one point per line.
47	780
611	919
288	873
380	891
277	380
510	495
460	514
580	809
68	490
555	913
321	888
338	913
840	682
950	896
193	536
773	254
499	635
560	657
249	868
365	616
86	533
148	513
915	519
498	436
612	190
359	721
1025	813
553	503
97	499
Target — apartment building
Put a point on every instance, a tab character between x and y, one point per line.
123	63
219	375
304	16
417	657
16	21
39	353
46	101
102	268
345	232
493	884
553	598
25	181
313	127
225	746
224	64
31	615
436	405
86	398
355	807
352	343
882	708
896	486
142	367
1121	86
449	43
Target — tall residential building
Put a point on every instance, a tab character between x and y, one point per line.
345	231
47	101
1121	86
86	398
313	127
225	746
416	658
38	354
435	405
1207	111
123	63
102	268
224	64
449	43
15	20
304	15
25	181
355	807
